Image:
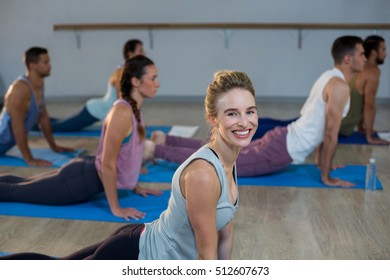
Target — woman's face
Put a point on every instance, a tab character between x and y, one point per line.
149	84
237	119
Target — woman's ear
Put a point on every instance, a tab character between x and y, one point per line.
135	82
212	120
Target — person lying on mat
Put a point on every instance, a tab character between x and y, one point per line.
317	126
118	160
24	106
364	86
198	221
96	109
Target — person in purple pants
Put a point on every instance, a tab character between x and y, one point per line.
317	127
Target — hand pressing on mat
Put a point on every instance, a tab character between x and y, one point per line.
336	182
60	149
128	213
38	162
377	141
146	191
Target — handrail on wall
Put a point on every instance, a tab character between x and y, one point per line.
96	26
225	26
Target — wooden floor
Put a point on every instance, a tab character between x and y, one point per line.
274	223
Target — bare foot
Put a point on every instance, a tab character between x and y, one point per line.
158	137
148	154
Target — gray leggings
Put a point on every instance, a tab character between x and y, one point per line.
75	182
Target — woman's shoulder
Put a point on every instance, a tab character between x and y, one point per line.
123	108
199	182
202	163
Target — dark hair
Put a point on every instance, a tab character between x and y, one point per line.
372	43
32	55
130	46
344	45
134	68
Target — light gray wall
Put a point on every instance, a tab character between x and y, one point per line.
186	59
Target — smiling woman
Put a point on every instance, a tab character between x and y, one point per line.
234	123
204	197
232	115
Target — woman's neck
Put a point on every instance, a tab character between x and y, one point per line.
138	98
226	153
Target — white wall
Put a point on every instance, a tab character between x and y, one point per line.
186	58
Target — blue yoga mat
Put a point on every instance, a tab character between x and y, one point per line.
300	175
58	159
95	131
355	138
266	124
308	175
94	210
90	131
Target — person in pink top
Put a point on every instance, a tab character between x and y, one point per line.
118	161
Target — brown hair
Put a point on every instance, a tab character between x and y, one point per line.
344	45
134	67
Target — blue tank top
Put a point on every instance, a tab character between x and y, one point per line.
6	135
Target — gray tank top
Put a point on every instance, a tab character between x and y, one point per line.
171	236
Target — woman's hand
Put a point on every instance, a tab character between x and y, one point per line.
128	213
146	191
60	149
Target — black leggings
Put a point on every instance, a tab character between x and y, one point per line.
75	182
123	244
